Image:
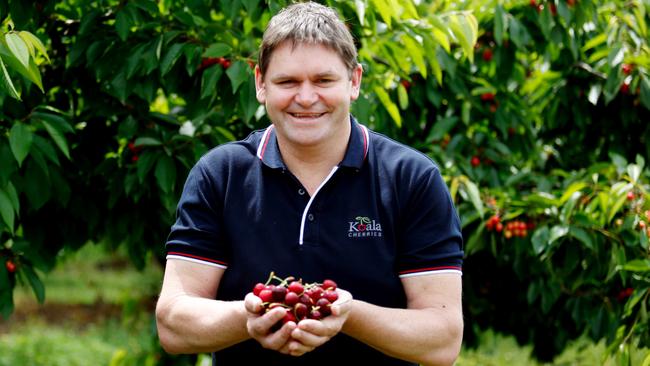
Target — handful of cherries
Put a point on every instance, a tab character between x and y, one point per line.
301	301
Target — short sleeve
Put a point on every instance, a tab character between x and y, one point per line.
430	239
198	233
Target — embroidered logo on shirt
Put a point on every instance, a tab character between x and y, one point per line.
363	226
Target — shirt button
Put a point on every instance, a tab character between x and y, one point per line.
310	217
301	191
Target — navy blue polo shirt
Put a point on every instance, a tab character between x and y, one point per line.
384	213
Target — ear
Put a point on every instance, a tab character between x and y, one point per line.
260	87
357	73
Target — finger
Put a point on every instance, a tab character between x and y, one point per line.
296	348
261	325
309	339
277	340
252	303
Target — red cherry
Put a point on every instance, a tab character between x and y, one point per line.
10	265
266	295
296	287
627	68
487	55
533	3
331	295
291	298
630	196
315	314
499	227
331	285
570	2
406	84
475	161
257	288
486	97
625	88
289	317
315	293
135	158
641	225
300	310
279	292
305	299
324	306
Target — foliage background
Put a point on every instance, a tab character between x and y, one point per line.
536	111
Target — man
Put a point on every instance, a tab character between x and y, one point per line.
316	195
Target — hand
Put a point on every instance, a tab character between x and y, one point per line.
310	333
259	326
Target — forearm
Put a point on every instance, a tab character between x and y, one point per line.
430	336
188	324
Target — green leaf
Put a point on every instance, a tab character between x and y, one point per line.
238	72
145	163
645	91
35	42
7	83
557	232
11	192
384	10
248	100
582	235
58	138
165	173
637	265
20	141
476	241
519	33
414	49
460	32
56	121
170	58
147	141
540	240
385	100
18	48
147	5
402	96
209	80
500	24
474	195
360	7
594	93
35	282
36	185
217	50
122	24
594	42
6	210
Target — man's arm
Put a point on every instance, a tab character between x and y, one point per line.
189	320
429	331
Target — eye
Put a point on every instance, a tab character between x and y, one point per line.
286	82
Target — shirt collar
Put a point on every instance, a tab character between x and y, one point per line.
355	154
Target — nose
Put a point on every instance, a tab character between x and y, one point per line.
306	94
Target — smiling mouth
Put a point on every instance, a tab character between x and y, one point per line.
307	115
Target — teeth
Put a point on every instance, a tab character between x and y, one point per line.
306	115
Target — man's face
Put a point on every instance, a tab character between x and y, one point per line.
307	92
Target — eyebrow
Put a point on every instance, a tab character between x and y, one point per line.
326	74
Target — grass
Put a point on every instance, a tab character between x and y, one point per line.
99	311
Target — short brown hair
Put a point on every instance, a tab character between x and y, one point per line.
312	23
